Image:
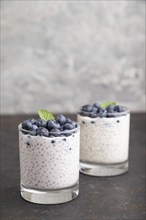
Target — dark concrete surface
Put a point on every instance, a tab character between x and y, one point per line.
115	198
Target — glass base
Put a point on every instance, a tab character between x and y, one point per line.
50	196
103	169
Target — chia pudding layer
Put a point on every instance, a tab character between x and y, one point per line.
49	162
104	140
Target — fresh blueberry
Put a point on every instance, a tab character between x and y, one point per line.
68	126
27	125
94	109
66	133
110	108
96	105
33	133
93	115
41	131
55	132
41	123
87	108
25	131
53	124
68	120
51	136
61	119
84	113
32	120
34	127
118	108
61	128
74	124
102	112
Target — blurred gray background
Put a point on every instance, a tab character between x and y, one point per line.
59	55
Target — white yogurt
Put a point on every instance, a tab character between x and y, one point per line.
104	140
49	163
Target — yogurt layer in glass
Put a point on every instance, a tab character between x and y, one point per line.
49	166
104	146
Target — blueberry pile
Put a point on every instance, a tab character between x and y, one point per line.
60	126
95	110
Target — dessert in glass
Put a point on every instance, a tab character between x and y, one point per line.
104	139
49	159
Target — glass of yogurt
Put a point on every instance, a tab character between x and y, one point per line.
49	160
104	138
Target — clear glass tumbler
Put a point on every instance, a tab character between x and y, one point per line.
49	167
104	145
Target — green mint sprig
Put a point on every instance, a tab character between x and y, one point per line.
44	114
105	104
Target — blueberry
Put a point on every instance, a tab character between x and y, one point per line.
62	135
110	108
68	126
41	131
61	119
93	115
41	123
87	108
84	113
51	136
61	128
66	133
34	127
33	133
32	120
118	108
74	124
68	120
27	125
55	132
25	132
94	109
102	112
53	124
96	105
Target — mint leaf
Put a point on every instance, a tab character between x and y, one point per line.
44	114
105	104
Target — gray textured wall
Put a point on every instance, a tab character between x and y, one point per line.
61	54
